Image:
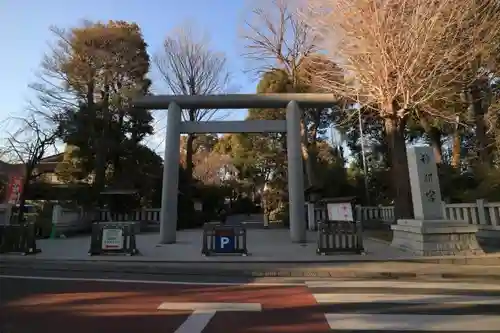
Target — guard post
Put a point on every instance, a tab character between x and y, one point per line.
113	238
219	239
339	232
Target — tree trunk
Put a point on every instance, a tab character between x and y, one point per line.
190	150
479	111
456	148
436	144
394	127
22	198
27	178
100	167
308	157
189	172
309	165
118	175
313	147
189	156
102	146
383	149
434	135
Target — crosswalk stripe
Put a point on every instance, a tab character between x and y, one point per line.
413	322
380	306
403	285
341	298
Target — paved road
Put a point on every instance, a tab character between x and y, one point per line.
56	302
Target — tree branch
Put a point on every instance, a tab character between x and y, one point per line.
189	67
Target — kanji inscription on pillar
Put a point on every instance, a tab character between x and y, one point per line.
424	181
431	195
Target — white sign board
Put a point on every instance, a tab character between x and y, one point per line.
341	211
112	239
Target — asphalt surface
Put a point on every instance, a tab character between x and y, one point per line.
56	301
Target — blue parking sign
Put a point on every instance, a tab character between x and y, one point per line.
224	242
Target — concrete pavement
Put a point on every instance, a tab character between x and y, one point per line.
272	255
265	246
58	302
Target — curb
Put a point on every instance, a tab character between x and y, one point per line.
250	274
377	240
485	260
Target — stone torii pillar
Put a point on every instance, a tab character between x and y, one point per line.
292	126
298	231
170	184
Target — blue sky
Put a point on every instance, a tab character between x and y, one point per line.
25	25
25	34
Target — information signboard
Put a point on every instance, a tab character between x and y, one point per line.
112	239
341	211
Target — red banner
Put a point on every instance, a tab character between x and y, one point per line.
15	189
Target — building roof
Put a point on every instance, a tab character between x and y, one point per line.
46	164
56	158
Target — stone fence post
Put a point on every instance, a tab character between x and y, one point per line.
481	212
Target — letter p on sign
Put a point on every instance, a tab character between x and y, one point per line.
224	241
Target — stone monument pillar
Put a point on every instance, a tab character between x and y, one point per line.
429	234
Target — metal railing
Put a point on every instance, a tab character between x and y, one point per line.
339	237
224	239
143	215
113	238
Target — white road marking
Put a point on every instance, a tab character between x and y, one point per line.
204	312
407	322
413	322
196	322
406	299
210	306
403	285
184	283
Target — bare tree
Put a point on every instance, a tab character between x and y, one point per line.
277	37
402	56
26	147
188	66
493	121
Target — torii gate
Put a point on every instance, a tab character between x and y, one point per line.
292	126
